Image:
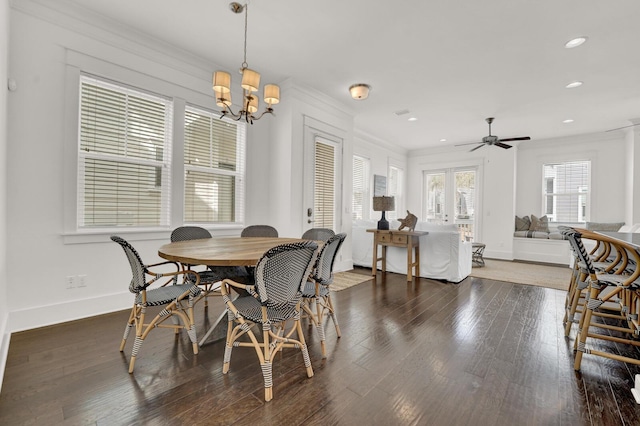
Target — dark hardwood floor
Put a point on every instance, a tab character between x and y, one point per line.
481	352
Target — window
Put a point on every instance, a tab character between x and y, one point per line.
324	184
123	157
214	161
565	189
394	189
360	187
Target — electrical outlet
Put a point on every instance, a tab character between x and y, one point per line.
82	280
71	282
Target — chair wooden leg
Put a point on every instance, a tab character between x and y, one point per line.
320	327
127	328
303	349
585	321
332	313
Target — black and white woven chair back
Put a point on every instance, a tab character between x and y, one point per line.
323	271
575	239
282	271
184	233
265	231
138	282
318	234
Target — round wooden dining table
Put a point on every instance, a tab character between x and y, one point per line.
221	251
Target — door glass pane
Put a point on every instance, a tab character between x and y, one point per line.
435	186
465	188
324	185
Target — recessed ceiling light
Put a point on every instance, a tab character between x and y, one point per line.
575	42
573	84
567	121
443	140
412	119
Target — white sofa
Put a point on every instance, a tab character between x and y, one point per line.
442	255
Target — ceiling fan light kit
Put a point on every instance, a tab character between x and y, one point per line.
494	140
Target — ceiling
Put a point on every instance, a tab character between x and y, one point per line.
450	63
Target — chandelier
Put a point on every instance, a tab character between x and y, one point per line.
250	84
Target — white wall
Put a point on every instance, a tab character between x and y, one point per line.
381	155
46	51
4	310
608	170
301	114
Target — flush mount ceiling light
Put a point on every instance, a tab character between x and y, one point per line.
359	91
575	42
412	119
573	84
250	83
567	121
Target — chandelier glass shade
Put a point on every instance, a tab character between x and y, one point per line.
250	85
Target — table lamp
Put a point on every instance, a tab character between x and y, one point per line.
383	204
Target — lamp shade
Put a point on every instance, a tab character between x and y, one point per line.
223	99
253	103
384	204
221	82
271	94
250	80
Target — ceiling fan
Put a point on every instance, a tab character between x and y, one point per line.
494	140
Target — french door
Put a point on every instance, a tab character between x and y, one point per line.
450	197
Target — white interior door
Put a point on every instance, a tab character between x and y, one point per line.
450	197
323	186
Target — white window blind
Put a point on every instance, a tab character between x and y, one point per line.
360	187
214	158
394	189
124	156
324	185
566	188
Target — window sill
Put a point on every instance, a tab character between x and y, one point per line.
137	234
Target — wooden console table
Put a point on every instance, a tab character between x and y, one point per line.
408	239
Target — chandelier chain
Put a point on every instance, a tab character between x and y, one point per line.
246	13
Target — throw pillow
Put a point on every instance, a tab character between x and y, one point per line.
607	226
540	224
523	223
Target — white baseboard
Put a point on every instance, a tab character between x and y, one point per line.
41	316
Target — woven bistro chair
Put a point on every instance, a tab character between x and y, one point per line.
171	297
259	231
280	276
317	289
318	234
577	292
214	274
618	288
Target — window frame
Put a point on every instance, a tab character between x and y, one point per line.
85	156
366	188
583	208
239	173
155	81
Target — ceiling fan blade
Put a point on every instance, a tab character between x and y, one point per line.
502	145
623	127
477	147
524	138
470	143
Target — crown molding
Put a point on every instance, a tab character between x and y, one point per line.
367	137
